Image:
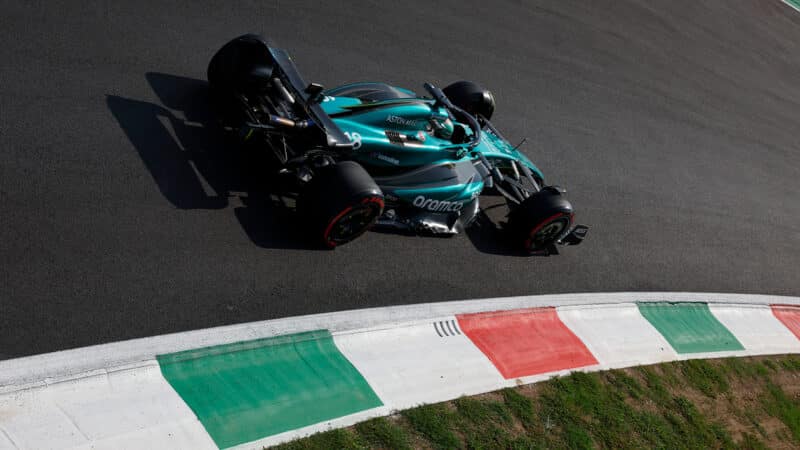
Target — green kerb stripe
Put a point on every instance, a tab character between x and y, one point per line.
794	3
689	327
249	390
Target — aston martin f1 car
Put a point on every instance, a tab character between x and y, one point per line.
368	155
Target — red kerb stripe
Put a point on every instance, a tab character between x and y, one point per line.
526	342
789	316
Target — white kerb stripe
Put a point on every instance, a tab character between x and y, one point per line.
756	328
412	364
617	335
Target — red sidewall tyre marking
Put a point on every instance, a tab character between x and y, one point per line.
377	200
367	200
543	223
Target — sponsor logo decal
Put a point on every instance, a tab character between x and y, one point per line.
355	138
386	158
437	205
397	120
395	137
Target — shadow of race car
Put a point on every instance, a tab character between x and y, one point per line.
368	155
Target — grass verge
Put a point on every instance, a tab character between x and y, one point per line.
749	403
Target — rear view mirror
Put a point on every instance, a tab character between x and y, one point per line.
314	91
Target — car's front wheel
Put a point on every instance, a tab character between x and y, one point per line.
540	220
340	203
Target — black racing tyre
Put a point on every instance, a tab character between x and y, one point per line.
471	97
229	68
230	72
540	220
340	203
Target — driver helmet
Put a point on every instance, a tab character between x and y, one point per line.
443	128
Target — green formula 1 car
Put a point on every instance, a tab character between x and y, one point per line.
371	154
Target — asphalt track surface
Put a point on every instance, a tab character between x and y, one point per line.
674	126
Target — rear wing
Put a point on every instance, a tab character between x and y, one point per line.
306	97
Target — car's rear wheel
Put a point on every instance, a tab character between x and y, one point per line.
232	71
540	220
340	203
231	67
